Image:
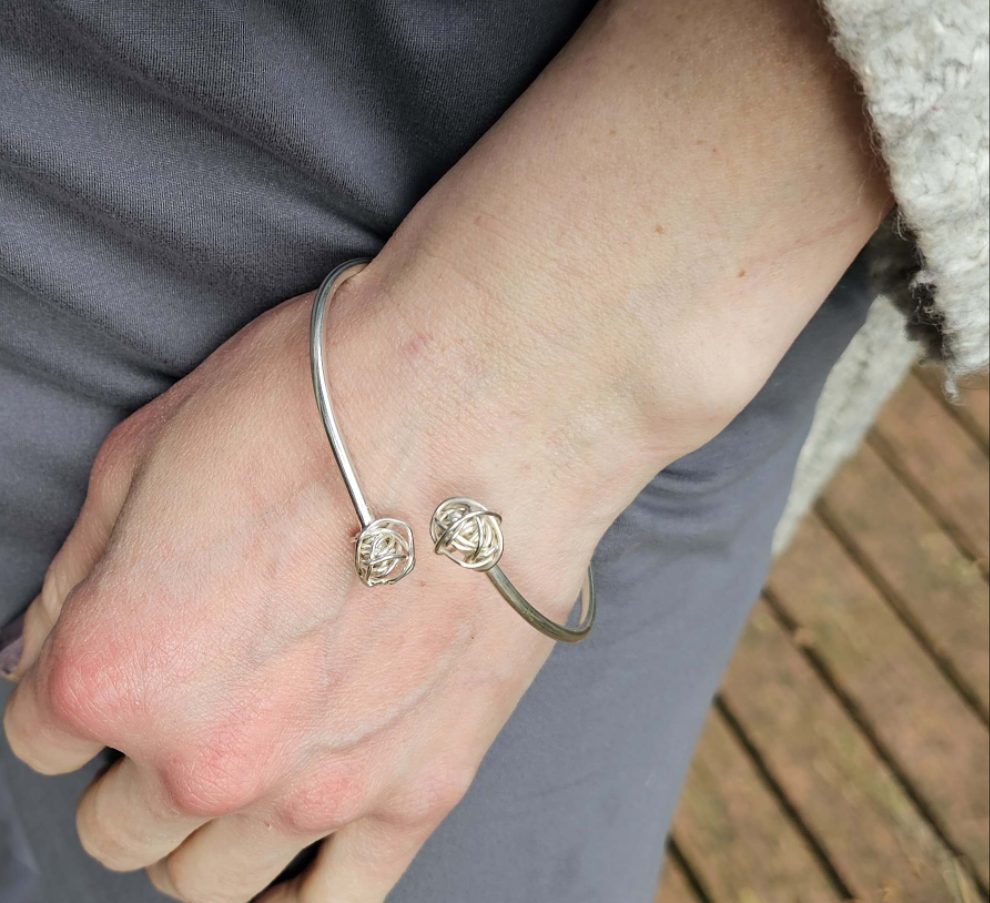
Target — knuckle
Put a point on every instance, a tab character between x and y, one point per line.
211	780
324	804
78	690
92	682
433	796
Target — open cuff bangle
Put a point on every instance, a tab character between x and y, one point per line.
384	551
463	530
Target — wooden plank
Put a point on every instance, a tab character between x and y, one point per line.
946	465
936	741
973	409
732	826
674	886
874	836
906	552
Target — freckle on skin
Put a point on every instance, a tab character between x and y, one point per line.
742	273
659	229
613	131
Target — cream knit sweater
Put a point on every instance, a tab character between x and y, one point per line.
923	68
923	65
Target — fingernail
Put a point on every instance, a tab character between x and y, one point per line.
11	646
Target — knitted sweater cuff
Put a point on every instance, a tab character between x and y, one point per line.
923	67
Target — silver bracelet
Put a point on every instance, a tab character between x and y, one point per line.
384	551
463	530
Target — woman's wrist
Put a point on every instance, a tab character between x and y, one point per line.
646	230
536	359
519	389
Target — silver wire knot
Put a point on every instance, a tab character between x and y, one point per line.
384	552
467	533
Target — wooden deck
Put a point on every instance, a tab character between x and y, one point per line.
847	756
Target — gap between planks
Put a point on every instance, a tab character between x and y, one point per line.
903	611
862	722
792	812
931	504
807	745
681	881
972	413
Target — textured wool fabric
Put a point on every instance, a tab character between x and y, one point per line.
925	70
867	374
923	66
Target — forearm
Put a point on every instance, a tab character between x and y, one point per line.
724	133
679	176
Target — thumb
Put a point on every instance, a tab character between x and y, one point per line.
21	641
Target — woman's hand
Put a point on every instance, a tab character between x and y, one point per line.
596	290
205	620
203	617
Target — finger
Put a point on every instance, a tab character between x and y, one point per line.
230	860
73	563
39	737
126	822
108	486
36	733
361	863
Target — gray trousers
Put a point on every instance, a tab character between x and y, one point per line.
169	171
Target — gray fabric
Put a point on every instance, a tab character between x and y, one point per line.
168	171
18	869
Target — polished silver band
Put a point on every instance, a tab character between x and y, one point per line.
470	535
384	551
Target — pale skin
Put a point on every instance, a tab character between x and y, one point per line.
596	290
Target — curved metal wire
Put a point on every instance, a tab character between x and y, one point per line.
384	551
470	535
